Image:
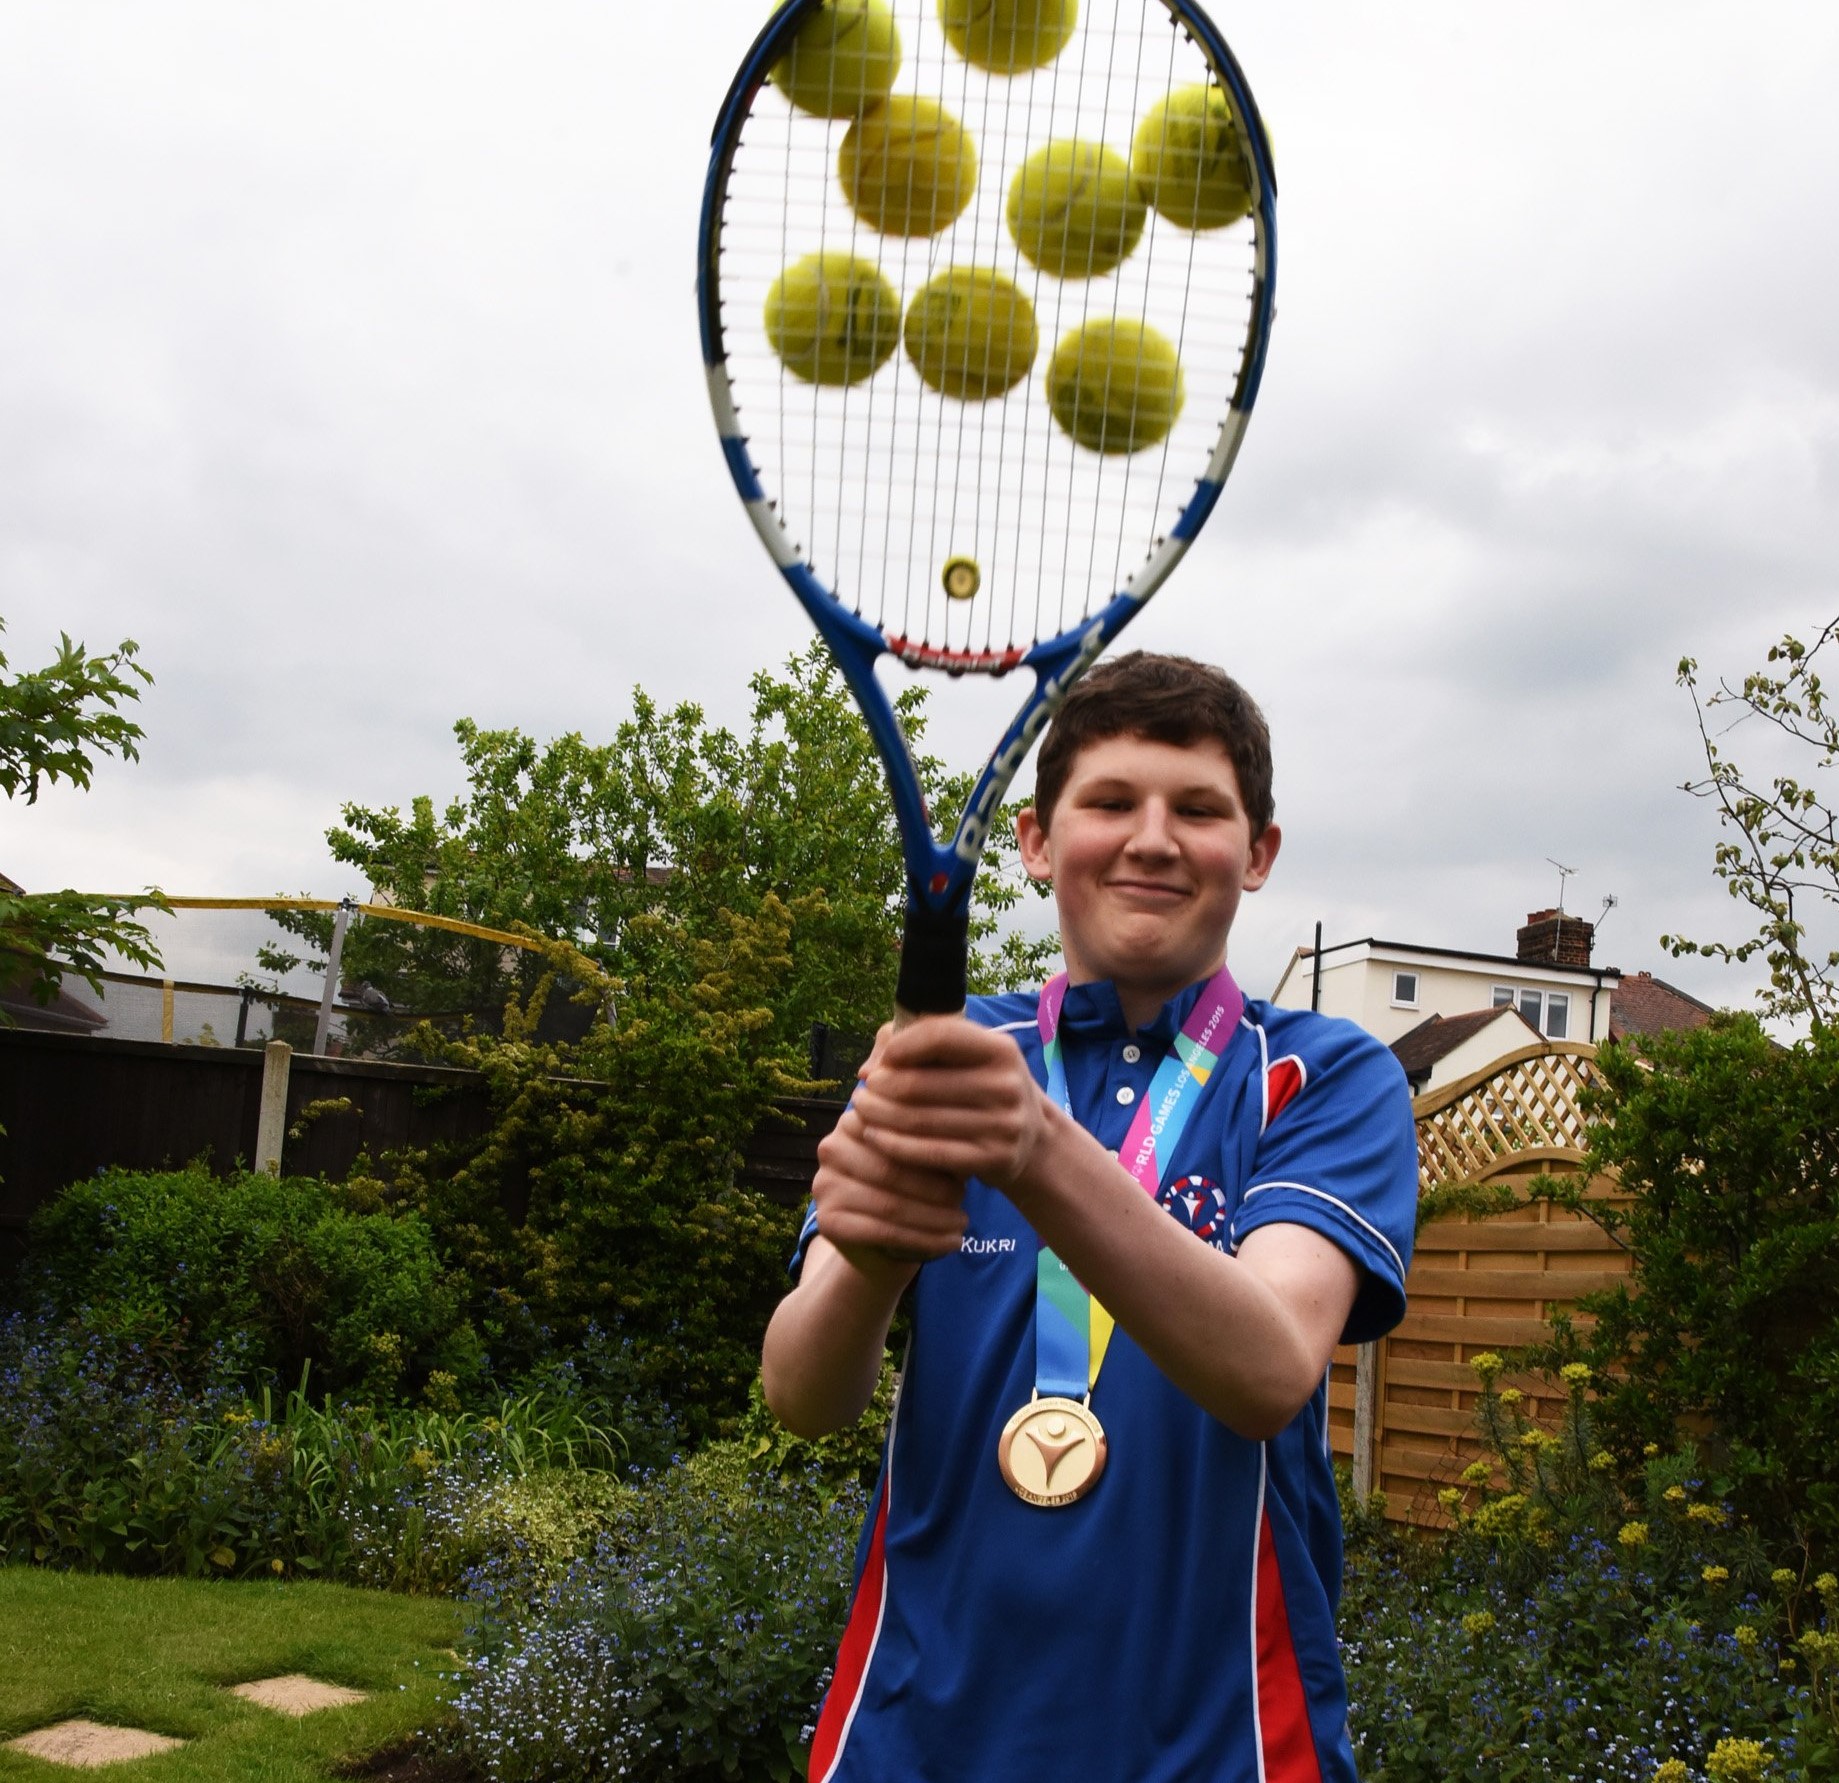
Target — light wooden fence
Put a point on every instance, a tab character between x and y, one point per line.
1402	1410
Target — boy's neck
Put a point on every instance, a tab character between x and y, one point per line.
1143	1002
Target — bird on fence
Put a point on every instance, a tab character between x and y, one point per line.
368	997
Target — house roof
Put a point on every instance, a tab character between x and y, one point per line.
1644	1004
64	1014
1437	1036
1465	953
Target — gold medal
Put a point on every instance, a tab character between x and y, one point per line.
1052	1451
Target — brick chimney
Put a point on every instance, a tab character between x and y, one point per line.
1551	938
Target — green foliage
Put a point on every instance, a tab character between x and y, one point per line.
693	1645
53	723
1729	1321
277	1267
644	848
1582	1619
604	1194
109	1462
1781	855
853	1453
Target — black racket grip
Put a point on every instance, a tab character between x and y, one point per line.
934	953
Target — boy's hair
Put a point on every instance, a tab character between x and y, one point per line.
1168	699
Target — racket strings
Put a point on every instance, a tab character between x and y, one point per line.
880	478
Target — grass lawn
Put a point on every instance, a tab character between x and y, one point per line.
159	1653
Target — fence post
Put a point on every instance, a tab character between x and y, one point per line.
334	953
166	1011
1366	1419
271	1123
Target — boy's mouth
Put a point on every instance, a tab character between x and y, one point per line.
1157	891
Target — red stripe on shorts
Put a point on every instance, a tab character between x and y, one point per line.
855	1651
1283	1709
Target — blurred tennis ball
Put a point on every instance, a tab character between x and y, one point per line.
1190	159
971	333
843	59
908	167
1008	36
1115	386
1074	209
833	318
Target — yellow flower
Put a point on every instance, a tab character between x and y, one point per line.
1715	1575
1746	1637
1650	1450
1602	1461
1826	1585
1673	1771
1487	1366
1478	1473
1477	1623
1532	1439
1737	1761
1632	1535
1782	1579
1575	1374
1511	1396
421	1460
1675	1495
1819	1650
277	1566
1704	1513
1450	1497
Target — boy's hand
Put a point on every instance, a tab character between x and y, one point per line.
949	1100
885	1217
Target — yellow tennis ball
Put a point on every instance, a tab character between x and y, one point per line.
1115	386
908	167
1191	161
843	59
1074	209
1008	36
833	318
971	333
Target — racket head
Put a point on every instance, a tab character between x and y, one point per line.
872	473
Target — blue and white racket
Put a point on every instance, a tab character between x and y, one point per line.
985	290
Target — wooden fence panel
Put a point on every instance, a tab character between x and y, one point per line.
1477	1283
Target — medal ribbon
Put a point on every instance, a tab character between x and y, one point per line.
1071	1330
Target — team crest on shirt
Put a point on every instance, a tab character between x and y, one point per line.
1199	1205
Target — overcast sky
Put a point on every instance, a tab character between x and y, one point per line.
348	362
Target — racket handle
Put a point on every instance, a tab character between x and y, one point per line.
934	951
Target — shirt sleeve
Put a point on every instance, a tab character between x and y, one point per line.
1338	1153
806	1232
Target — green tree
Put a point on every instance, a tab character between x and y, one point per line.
54	723
640	849
1781	853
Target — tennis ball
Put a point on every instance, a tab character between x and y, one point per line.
1074	210
1008	36
908	167
833	318
843	59
1115	386
1190	159
971	334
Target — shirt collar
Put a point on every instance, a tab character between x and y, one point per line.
1093	1012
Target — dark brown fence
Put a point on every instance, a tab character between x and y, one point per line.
72	1105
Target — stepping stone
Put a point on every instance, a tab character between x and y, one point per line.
294	1693
85	1745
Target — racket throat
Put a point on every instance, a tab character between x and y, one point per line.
934	953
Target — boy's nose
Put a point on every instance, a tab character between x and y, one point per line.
1152	834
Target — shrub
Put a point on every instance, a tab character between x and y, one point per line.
277	1268
1729	1321
108	1462
692	1644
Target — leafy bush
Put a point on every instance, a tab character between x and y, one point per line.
1576	1623
108	1462
277	1267
692	1644
1729	1321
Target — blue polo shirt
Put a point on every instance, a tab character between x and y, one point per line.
1176	1625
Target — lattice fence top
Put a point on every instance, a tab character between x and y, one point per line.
1521	1108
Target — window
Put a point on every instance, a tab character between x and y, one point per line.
1404	990
1557	1015
1548	1011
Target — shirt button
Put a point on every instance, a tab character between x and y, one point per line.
1125	1093
1132	1053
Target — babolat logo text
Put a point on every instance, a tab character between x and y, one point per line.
974	830
973	1246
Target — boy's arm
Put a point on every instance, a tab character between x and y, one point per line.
1247	1336
878	1220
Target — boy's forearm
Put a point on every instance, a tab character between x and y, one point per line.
821	1360
1247	1349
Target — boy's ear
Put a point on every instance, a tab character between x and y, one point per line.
1032	843
1262	857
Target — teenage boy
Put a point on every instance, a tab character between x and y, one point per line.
1105	1543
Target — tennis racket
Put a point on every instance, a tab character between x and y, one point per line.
985	290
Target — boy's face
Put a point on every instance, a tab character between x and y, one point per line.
1149	853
